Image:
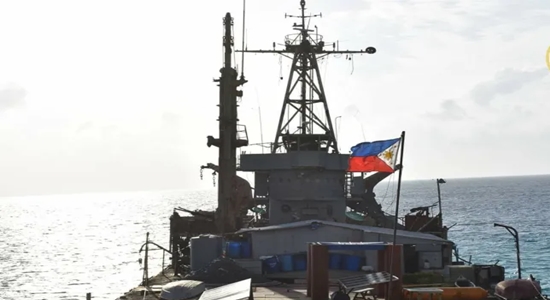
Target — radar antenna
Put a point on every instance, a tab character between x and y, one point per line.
305	48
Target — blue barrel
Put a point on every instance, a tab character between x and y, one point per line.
246	250
233	249
300	262
352	263
335	261
271	265
286	263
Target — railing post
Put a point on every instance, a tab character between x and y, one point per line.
163	254
174	241
146	262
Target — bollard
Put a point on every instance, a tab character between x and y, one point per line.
88	296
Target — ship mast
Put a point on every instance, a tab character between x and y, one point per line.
229	141
311	131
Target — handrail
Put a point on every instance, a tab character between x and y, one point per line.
458	258
466	261
145	279
153	243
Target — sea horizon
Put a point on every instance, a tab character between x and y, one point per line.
187	190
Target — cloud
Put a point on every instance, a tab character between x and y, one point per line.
470	20
476	20
406	31
11	96
85	126
505	82
450	110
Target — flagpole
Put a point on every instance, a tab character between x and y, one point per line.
396	221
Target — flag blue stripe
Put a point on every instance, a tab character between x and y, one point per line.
371	148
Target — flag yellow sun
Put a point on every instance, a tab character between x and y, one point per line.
388	154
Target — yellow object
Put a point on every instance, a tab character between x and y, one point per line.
429	293
449	293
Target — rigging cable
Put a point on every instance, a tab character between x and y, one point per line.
260	116
234	52
390	181
326	68
393	197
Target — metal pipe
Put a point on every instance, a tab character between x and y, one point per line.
146	262
439	182
336	127
515	234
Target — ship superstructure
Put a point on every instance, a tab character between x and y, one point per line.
304	176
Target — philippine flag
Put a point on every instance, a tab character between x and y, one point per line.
379	156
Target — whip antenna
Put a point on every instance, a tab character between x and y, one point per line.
242	46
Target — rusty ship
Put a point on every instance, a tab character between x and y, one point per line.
302	190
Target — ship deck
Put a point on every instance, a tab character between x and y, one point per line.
271	290
279	292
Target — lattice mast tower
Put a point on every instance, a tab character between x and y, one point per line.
312	132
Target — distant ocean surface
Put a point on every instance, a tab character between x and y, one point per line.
61	247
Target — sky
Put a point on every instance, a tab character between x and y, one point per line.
118	95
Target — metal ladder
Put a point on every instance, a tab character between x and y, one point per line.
348	184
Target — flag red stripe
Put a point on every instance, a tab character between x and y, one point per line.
368	164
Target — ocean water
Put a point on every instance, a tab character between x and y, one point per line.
61	247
